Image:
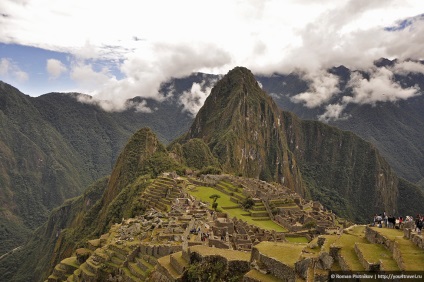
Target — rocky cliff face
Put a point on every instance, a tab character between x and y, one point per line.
344	172
242	127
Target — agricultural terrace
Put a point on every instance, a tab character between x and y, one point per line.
203	194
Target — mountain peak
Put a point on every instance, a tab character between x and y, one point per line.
242	127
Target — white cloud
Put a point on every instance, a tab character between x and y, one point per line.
194	99
380	87
153	41
88	78
4	66
333	112
408	67
9	68
20	75
323	86
146	71
55	68
141	107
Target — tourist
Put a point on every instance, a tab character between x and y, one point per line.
419	223
391	221
385	219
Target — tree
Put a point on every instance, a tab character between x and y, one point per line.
248	203
214	197
215	206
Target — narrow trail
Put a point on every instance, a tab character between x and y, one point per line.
11	252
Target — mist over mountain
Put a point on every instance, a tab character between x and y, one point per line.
391	117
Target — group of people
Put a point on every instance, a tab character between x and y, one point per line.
388	221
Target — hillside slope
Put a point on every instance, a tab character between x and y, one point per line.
52	147
395	127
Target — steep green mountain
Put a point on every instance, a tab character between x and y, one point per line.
250	136
38	168
240	123
52	147
88	216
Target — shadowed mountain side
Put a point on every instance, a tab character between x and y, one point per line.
396	128
38	168
55	239
88	216
52	147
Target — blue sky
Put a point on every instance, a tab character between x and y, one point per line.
38	71
118	50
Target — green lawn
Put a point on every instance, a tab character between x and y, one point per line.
375	253
288	253
347	242
203	193
412	256
297	239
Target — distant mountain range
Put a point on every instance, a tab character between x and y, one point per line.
239	130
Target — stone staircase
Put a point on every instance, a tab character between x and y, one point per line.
139	268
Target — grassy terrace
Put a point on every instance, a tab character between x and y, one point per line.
412	256
228	254
375	253
287	253
347	242
297	239
203	193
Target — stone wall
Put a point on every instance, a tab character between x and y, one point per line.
218	243
376	238
158	251
368	266
418	240
276	268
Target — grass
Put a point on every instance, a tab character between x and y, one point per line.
412	256
288	253
297	239
70	261
203	193
375	253
228	254
389	233
347	242
179	257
